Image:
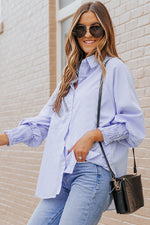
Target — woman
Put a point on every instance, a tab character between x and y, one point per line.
74	180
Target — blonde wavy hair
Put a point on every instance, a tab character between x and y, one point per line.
75	54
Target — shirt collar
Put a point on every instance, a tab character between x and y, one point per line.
93	62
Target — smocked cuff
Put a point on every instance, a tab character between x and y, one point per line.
116	132
19	134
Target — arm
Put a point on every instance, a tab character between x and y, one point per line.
127	125
32	131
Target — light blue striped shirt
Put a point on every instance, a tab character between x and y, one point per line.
121	123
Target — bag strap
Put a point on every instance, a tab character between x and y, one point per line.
134	161
98	119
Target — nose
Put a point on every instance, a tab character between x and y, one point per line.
87	34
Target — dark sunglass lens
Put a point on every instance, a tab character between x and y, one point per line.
79	31
96	31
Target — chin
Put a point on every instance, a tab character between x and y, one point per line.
88	51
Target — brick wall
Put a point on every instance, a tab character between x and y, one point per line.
24	89
52	45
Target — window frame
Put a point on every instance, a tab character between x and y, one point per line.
1	23
61	15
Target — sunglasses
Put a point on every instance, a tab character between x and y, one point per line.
95	30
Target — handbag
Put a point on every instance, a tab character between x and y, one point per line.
126	190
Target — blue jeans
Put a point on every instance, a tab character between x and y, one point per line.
84	196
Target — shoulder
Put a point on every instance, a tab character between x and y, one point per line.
118	73
116	67
116	63
57	88
54	94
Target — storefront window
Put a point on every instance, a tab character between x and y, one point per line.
64	13
64	3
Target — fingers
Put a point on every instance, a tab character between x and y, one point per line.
72	149
80	154
80	157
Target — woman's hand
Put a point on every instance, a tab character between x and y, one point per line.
4	139
84	144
